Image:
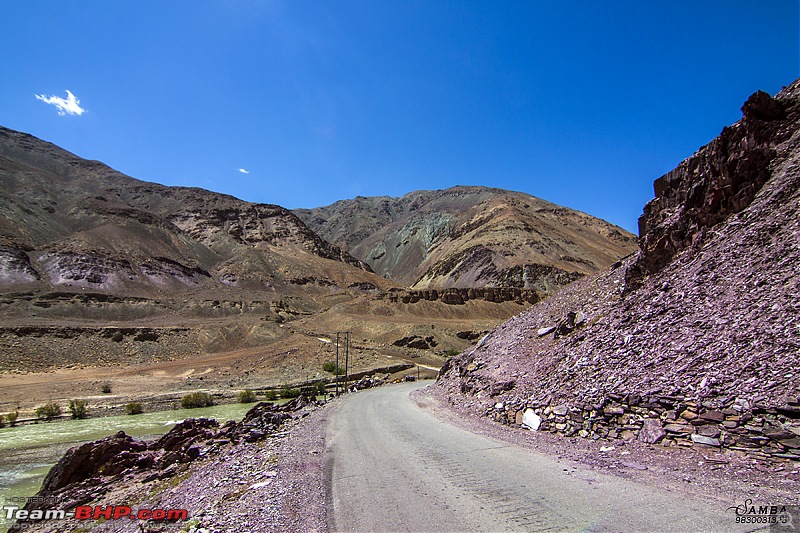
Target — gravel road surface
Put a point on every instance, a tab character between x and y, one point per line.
392	466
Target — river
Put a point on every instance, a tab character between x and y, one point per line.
28	451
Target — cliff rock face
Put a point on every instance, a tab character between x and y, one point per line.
692	342
720	179
471	237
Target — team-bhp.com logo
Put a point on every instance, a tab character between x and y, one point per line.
95	512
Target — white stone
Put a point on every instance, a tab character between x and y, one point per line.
531	420
544	331
702	439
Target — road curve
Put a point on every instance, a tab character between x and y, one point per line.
391	466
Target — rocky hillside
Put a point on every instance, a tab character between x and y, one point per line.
695	340
68	222
471	237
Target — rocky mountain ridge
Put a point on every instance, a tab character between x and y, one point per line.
692	342
70	222
471	237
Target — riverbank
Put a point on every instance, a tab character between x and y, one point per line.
28	452
114	404
263	474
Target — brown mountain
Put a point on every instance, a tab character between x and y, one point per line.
692	342
471	237
68	222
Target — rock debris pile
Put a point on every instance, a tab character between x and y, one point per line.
695	340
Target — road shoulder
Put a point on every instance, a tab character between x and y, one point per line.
726	479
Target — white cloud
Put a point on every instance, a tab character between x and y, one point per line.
244	171
68	106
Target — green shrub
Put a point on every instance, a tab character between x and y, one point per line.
288	392
271	395
196	399
451	353
247	396
12	418
106	388
49	411
78	409
134	408
330	366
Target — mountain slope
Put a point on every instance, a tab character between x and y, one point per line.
471	237
695	340
66	221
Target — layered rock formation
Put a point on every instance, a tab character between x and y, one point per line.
68	222
471	237
694	341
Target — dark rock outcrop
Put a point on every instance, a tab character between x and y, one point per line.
459	296
415	341
722	178
108	456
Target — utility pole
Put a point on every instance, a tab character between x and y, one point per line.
336	368
346	359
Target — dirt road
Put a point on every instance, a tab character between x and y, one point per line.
392	466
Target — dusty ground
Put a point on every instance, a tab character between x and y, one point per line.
160	385
55	358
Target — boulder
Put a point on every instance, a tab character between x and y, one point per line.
93	458
651	431
531	420
702	439
541	332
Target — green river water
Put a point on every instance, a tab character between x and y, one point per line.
27	452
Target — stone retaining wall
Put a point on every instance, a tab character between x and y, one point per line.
761	432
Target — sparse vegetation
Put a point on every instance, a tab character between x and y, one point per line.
451	352
196	399
315	389
247	396
134	408
288	392
2	421
12	418
330	366
78	409
106	388
48	411
271	395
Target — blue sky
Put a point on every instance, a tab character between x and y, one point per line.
582	103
